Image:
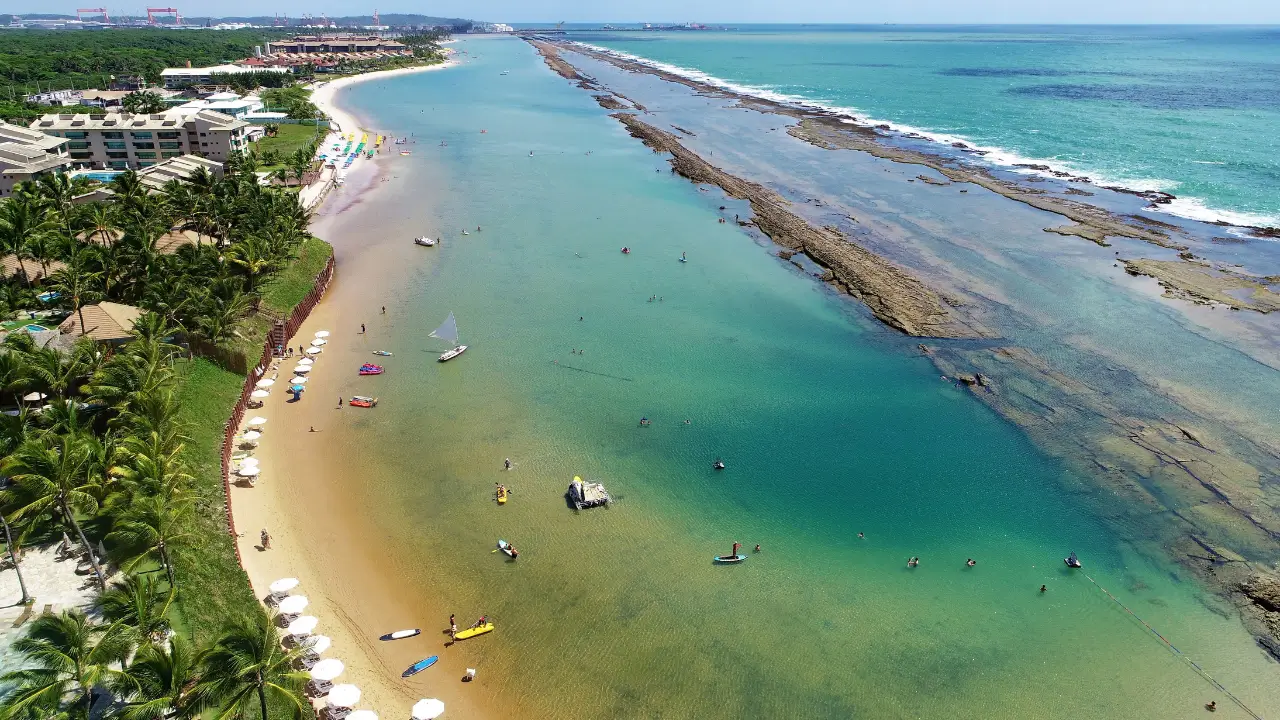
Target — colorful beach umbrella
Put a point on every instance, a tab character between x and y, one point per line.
293	604
303	625
283	585
266	383
427	709
327	669
342	695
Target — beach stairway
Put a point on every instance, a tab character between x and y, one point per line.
277	336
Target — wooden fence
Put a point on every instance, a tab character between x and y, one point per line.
296	318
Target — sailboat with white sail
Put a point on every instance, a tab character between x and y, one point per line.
449	332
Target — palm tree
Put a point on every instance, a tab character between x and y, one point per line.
14	373
252	255
138	608
79	283
24	223
101	221
246	663
13	557
148	529
68	658
59	192
159	681
53	477
219	315
53	370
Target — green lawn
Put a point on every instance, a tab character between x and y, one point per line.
287	289
288	140
212	589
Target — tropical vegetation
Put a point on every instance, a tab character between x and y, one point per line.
106	457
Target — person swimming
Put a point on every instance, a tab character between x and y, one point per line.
718	464
970	562
914	561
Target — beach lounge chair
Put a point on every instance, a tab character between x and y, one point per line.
27	612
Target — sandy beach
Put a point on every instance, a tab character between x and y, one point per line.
323	94
316	535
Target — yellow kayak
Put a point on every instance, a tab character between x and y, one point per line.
472	632
502	496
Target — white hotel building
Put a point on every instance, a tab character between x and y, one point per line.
119	141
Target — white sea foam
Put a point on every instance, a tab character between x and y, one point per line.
1190	208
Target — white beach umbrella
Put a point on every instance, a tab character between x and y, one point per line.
266	383
259	394
251	435
318	342
283	585
313	351
322	333
341	695
249	462
300	380
257	420
327	669
305	361
317	643
363	715
303	625
293	604
302	369
250	471
427	709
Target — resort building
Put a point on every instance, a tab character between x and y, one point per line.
26	155
227	103
106	322
188	76
335	45
120	141
56	97
32	270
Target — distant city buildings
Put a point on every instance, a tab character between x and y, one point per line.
336	45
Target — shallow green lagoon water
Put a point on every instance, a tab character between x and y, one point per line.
829	424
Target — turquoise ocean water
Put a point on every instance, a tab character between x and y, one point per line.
1188	110
829	424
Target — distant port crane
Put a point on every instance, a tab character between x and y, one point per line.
96	11
153	12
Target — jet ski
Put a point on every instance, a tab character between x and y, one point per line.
718	465
1072	561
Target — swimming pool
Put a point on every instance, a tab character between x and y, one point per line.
36	328
105	176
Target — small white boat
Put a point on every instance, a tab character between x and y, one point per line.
449	331
464	232
424	241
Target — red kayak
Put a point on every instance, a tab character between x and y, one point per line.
370	369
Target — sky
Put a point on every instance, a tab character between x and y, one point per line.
750	11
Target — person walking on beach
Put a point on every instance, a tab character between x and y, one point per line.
339	402
453	627
362	328
384	309
265	537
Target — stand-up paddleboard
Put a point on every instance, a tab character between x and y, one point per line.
419	666
505	547
401	634
474	631
383	353
729	558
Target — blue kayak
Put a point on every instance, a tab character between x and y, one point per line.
730	558
419	666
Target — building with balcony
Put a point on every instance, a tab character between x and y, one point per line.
335	45
120	141
27	154
186	77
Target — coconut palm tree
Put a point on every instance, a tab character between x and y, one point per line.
138	608
13	557
100	219
253	256
68	657
24	224
53	477
148	529
79	282
158	682
247	664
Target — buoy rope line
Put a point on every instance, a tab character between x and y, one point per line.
1199	670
